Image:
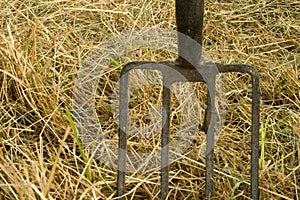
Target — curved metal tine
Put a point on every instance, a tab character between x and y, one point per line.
255	121
164	185
123	118
255	136
209	128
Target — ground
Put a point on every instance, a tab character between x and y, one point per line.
44	44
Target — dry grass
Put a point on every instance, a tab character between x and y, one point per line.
42	44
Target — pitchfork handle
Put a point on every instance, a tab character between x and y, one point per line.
189	19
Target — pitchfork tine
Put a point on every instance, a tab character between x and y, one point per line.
208	126
123	110
255	135
164	185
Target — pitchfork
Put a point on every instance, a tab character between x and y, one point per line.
189	67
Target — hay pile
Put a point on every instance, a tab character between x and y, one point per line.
42	45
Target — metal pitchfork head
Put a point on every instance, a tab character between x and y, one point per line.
189	67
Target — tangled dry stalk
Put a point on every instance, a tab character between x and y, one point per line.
42	44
